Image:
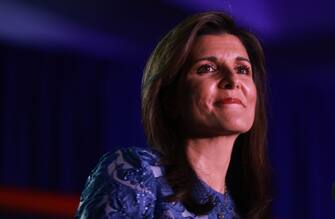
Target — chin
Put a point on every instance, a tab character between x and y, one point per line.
236	128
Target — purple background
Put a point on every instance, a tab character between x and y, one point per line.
70	74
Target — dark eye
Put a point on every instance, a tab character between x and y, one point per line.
242	69
206	68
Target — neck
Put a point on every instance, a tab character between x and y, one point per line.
210	157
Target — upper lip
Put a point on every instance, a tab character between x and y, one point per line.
230	100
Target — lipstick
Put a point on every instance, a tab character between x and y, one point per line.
231	100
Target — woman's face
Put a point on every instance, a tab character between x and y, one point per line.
218	92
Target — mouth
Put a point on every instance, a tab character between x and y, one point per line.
230	100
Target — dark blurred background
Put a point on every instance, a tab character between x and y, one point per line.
70	74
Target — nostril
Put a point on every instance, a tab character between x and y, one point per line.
228	84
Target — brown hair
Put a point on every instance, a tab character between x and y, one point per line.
248	174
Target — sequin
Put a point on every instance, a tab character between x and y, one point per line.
129	183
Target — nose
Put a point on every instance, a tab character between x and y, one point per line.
229	80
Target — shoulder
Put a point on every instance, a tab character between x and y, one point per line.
121	185
133	157
132	163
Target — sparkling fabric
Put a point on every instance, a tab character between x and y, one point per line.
130	183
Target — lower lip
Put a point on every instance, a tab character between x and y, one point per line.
229	103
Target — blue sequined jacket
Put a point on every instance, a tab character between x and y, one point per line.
129	183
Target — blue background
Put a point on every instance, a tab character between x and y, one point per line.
70	74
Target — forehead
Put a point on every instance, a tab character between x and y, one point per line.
221	46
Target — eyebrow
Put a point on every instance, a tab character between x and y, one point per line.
214	59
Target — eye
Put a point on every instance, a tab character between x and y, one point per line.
206	68
242	69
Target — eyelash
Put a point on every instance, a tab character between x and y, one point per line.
202	69
205	68
243	67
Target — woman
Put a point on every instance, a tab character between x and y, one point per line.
204	115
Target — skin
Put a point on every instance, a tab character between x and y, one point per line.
219	69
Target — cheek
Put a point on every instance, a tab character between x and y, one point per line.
250	93
252	102
254	96
202	96
248	118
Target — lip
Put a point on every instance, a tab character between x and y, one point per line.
230	100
